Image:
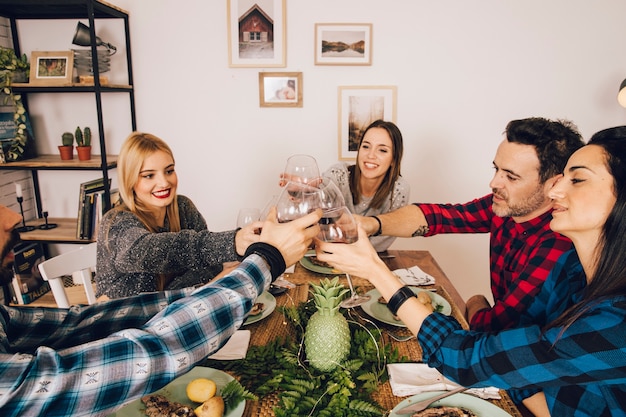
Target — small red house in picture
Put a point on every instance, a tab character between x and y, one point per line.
256	34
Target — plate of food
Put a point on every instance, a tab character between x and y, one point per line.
311	263
376	306
173	396
265	304
461	405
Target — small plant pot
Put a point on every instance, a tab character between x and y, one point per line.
84	153
67	152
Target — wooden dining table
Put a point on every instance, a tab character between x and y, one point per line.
273	326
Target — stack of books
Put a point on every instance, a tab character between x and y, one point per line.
90	208
27	284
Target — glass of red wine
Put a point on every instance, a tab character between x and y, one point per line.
337	225
296	200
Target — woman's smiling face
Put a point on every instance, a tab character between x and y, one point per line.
585	196
157	182
376	153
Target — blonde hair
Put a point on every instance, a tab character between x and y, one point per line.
137	147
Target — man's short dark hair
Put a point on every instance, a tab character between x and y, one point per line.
554	142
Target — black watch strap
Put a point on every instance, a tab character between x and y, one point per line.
399	298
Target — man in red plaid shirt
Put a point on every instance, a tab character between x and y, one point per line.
517	213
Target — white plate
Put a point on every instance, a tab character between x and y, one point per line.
270	304
381	313
177	391
479	406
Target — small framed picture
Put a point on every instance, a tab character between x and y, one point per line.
343	44
256	33
280	89
358	107
51	68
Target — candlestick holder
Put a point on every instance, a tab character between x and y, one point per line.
46	225
23	228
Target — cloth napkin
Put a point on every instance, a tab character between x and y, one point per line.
414	378
235	348
414	276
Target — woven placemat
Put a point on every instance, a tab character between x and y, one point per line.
275	325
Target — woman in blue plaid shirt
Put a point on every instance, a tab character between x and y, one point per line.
570	351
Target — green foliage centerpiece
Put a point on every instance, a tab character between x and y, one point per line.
337	385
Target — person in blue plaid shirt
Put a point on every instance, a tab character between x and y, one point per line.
90	360
570	347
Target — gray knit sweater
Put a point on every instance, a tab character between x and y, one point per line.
130	257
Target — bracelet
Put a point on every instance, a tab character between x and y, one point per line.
380	226
272	256
398	298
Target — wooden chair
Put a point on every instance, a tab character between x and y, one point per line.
77	263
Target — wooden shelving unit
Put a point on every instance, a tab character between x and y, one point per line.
91	10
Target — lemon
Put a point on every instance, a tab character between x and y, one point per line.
201	389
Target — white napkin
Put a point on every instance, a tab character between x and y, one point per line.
414	276
235	348
414	378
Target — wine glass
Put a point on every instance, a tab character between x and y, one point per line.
337	225
247	215
330	195
301	168
296	200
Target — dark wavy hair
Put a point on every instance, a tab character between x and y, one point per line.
385	190
554	142
609	278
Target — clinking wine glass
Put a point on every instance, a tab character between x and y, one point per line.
248	215
296	200
337	225
330	195
301	168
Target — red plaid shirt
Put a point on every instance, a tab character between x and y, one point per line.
521	255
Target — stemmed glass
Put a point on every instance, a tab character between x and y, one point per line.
330	195
337	225
248	215
296	200
301	168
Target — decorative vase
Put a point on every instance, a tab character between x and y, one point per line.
84	153
67	152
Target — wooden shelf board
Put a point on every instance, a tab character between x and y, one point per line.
65	232
44	162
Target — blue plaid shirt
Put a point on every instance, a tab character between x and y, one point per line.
582	374
90	360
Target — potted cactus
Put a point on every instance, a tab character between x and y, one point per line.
83	140
67	148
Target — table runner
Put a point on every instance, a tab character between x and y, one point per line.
276	325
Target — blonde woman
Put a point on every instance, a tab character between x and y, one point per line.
158	240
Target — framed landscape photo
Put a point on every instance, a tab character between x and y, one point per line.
257	33
51	67
280	89
343	44
359	106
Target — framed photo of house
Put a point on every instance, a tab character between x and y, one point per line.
51	67
343	44
280	89
358	107
257	33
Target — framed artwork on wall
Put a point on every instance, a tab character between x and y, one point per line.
51	68
280	89
343	44
257	33
358	107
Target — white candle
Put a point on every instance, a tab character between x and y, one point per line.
18	190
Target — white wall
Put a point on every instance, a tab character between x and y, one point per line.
463	70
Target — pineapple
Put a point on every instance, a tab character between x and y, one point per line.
327	335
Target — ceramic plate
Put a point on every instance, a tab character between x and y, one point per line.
480	407
306	262
270	304
176	391
381	313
